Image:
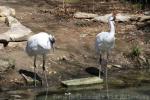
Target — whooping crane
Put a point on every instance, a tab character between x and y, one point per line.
40	44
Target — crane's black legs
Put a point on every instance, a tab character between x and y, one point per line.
35	71
100	64
106	74
44	58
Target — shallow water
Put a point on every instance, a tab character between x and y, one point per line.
134	93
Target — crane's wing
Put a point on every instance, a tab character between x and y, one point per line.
104	42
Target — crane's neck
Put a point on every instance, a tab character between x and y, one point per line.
112	27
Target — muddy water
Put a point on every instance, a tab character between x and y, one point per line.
134	93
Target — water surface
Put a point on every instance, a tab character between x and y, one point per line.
133	93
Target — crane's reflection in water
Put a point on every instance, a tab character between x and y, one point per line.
134	93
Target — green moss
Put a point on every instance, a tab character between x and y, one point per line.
135	78
137	6
136	51
72	1
116	83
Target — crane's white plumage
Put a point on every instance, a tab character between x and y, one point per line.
40	44
105	40
104	43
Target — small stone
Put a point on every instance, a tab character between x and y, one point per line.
7	11
83	15
54	72
109	66
114	65
117	66
49	72
148	61
143	59
64	58
83	35
68	93
16	96
15	79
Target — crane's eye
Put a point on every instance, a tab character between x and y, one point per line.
52	40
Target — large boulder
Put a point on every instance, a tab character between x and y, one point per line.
122	17
6	11
83	15
17	31
28	77
103	19
144	18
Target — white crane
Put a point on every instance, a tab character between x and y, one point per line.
40	44
104	43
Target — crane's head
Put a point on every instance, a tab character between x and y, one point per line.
112	18
52	40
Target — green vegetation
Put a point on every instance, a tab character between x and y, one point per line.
137	6
140	4
72	1
136	51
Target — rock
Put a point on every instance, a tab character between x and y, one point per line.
114	65
143	58
12	22
103	19
2	19
6	11
122	17
144	62
147	13
17	32
63	58
83	15
144	18
142	24
82	35
16	96
29	77
135	18
82	81
117	66
6	64
3	37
